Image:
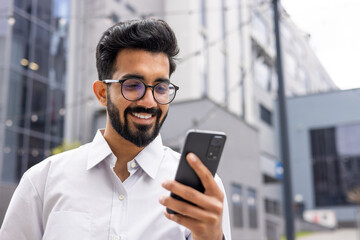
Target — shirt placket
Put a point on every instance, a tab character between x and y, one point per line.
119	215
119	211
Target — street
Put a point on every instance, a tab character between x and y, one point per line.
340	234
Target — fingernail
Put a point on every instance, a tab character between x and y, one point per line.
162	199
192	157
165	183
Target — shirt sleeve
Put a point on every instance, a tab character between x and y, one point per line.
226	217
23	216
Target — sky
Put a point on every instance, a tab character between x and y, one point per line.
334	26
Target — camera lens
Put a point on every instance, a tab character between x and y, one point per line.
216	141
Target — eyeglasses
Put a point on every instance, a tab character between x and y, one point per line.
134	89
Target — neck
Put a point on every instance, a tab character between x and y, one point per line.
124	150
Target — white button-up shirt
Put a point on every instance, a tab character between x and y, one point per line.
77	195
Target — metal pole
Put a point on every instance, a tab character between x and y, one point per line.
284	141
358	221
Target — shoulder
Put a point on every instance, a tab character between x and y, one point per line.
171	157
59	163
68	157
169	162
170	153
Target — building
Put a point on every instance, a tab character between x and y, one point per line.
33	51
227	56
324	136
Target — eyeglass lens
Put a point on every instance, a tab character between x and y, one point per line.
134	89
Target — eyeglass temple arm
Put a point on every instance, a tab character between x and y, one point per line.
109	81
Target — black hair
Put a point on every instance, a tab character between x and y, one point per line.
153	35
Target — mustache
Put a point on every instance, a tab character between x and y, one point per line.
152	111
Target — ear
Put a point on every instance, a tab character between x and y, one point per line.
100	91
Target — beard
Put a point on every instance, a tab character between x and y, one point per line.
143	134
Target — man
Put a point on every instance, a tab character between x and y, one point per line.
117	186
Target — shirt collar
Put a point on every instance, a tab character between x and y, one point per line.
99	150
149	158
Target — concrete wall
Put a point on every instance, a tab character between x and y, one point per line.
317	111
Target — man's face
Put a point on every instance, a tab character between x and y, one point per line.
138	121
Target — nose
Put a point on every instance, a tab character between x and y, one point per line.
147	100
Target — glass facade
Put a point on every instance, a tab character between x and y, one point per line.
336	163
35	98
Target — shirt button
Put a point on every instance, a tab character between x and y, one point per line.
116	238
121	197
133	165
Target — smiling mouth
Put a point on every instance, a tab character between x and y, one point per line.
142	115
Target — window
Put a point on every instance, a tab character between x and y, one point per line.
12	156
20	44
25	5
43	11
274	81
285	32
40	62
260	28
303	77
262	72
272	207
252	208
265	115
336	163
299	49
39	112
57	112
17	96
290	65
36	151
237	205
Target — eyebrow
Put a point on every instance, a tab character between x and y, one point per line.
140	77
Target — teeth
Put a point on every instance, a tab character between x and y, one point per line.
143	116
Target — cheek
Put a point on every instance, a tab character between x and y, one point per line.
122	109
120	106
164	110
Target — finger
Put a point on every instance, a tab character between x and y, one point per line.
192	195
206	178
186	221
181	219
187	209
197	228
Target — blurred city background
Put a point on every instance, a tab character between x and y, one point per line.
228	82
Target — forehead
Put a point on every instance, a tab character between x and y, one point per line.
147	64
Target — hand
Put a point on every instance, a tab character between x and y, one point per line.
205	219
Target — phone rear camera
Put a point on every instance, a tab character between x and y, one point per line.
215	147
213	152
216	141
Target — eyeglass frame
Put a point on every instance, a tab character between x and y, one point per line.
121	81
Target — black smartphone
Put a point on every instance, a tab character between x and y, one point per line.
208	146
